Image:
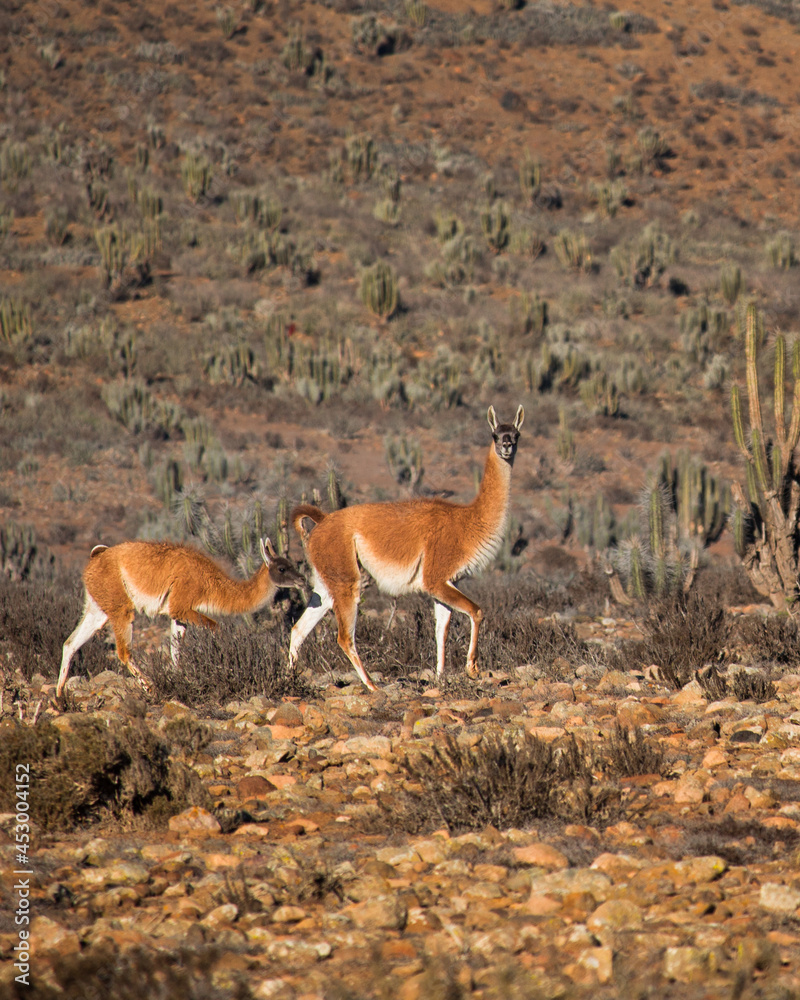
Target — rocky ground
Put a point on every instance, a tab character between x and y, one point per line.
688	888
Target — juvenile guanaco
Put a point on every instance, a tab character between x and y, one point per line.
165	578
412	545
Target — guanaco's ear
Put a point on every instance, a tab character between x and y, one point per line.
492	418
519	417
268	554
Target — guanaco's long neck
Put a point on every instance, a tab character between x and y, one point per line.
489	509
241	596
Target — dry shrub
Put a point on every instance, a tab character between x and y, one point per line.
101	972
773	640
505	781
681	636
744	685
713	683
93	771
631	753
237	660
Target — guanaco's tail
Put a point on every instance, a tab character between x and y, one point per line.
299	513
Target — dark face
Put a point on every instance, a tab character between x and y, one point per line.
505	437
283	574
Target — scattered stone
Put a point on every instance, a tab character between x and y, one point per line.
688	964
49	935
195	820
615	915
779	898
386	912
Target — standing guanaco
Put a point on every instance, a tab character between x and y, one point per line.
412	545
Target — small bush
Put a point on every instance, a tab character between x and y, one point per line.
681	635
713	683
106	972
634	753
747	686
770	640
505	781
93	770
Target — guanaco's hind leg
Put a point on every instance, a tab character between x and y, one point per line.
345	606
446	593
92	620
123	634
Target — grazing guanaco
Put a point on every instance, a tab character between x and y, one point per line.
165	578
410	545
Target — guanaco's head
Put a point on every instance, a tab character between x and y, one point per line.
282	572
505	436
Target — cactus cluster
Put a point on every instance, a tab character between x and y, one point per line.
701	502
530	177
15	321
125	255
458	253
21	556
609	196
233	364
600	395
132	403
15	164
56	225
643	262
196	175
781	252
379	290
767	524
529	314
594	525
495	223
683	508
404	458
651	561
731	283
257	207
572	250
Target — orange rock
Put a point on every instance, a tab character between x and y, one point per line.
540	855
737	803
541	906
283	780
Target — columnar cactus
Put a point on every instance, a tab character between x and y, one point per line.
769	549
379	290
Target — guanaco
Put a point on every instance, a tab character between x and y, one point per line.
411	545
165	578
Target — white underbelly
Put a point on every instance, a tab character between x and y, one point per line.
391	577
147	603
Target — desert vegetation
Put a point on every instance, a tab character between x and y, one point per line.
259	254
